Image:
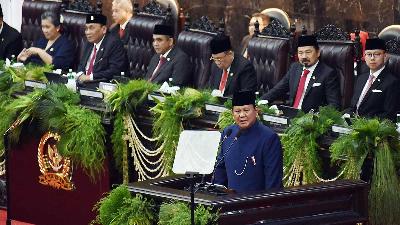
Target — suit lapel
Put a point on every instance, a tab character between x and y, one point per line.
231	75
170	56
314	77
374	85
100	51
88	51
296	80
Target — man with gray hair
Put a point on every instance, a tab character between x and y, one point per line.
122	12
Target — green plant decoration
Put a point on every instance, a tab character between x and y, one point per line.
300	145
168	117
128	96
379	140
55	108
119	208
124	102
225	118
178	213
28	72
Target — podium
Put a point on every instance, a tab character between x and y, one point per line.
339	202
33	202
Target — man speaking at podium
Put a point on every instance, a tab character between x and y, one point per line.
251	154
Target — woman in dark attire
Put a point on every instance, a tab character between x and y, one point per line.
54	48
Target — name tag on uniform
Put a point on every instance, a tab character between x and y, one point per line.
316	84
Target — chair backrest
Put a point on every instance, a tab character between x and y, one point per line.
31	22
139	47
393	61
338	52
391	35
269	51
195	42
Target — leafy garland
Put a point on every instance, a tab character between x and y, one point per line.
300	145
124	102
380	140
120	208
168	117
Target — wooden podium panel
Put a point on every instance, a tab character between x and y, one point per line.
339	202
32	202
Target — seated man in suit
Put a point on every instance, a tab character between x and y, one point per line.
11	40
242	75
376	93
263	21
310	82
169	61
104	55
122	12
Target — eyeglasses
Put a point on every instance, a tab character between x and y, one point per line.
218	59
375	54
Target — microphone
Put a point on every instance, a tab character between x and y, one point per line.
225	154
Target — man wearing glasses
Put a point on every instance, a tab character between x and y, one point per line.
310	82
376	93
230	72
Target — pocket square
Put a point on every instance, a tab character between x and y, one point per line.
376	91
316	84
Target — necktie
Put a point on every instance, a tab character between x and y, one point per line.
369	84
121	33
91	63
300	88
222	83
160	63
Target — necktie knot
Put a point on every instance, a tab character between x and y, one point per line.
305	72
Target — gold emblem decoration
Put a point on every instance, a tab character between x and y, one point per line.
56	170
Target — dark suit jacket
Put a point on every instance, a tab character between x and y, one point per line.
62	51
115	30
381	100
10	42
178	67
323	87
242	76
111	58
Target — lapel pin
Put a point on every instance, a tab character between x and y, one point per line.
51	49
379	80
253	159
231	74
168	59
101	49
2	39
313	77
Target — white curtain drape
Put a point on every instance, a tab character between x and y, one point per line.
12	10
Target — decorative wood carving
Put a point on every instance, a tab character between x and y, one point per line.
204	24
275	29
81	6
331	32
154	8
393	46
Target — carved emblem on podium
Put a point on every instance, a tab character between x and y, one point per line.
56	170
